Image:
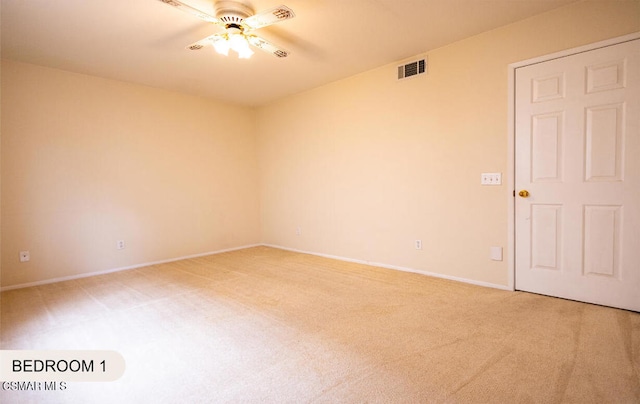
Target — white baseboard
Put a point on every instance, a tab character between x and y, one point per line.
108	271
339	258
398	268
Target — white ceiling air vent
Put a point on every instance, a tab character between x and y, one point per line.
412	69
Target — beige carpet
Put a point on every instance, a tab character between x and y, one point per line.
265	325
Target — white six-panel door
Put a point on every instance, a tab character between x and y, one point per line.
577	155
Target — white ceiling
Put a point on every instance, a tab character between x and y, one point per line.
143	41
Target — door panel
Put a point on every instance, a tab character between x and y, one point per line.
578	156
602	232
546	235
604	142
546	147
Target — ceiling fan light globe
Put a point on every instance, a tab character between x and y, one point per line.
222	47
239	43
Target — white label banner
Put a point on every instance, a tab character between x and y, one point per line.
68	366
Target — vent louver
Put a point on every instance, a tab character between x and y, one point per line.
231	19
412	69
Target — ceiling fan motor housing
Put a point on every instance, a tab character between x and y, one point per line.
231	12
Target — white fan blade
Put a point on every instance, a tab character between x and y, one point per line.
188	9
267	46
269	17
205	41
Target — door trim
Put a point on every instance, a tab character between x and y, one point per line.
511	140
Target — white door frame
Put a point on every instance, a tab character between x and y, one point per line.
511	141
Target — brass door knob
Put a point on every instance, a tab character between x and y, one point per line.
524	193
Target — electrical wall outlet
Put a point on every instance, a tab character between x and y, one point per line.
24	256
496	253
120	244
298	231
418	244
491	178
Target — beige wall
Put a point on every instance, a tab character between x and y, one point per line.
87	161
363	166
367	165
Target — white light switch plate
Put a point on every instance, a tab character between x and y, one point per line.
491	178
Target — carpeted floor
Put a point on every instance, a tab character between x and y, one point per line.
266	325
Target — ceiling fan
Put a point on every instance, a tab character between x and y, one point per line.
238	22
